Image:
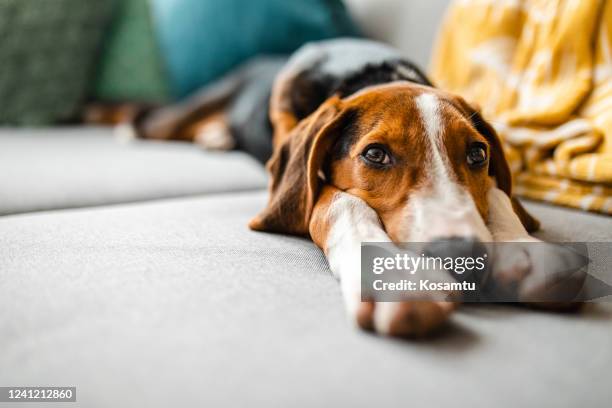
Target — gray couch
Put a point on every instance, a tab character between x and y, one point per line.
127	270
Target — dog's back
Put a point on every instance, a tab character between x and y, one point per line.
267	96
343	66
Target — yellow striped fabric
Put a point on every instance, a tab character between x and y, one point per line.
541	70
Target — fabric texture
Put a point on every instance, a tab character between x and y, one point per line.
203	39
177	303
47	52
131	66
542	72
76	166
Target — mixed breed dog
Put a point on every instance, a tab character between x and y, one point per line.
361	147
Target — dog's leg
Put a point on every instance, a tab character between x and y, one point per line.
339	223
533	271
173	122
503	222
212	133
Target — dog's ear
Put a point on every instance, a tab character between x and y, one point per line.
498	165
294	168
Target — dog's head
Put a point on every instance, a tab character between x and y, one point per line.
423	159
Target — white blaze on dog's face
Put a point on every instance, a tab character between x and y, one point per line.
418	157
442	207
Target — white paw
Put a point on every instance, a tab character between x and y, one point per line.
125	133
417	314
538	272
215	136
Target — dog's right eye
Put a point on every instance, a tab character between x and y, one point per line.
376	155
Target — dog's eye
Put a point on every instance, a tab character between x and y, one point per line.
476	154
376	155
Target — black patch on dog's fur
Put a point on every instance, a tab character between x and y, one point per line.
349	132
375	74
309	90
348	135
312	87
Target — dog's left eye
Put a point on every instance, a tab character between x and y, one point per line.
476	154
376	155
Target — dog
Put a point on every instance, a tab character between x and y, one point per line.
365	148
231	113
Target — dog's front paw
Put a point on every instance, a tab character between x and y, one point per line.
420	308
540	274
409	319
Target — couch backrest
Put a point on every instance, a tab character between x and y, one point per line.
409	25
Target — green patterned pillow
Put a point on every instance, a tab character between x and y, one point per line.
47	52
131	67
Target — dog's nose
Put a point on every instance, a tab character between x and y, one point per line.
469	256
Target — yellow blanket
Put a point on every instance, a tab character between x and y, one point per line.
541	71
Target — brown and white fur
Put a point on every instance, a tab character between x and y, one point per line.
322	186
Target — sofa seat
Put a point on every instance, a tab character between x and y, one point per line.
43	169
176	303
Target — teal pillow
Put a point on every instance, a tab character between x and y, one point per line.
47	52
203	39
131	67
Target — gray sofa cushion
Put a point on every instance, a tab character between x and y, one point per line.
83	166
177	303
560	224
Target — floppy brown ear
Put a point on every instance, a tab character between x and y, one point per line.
294	168
498	165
